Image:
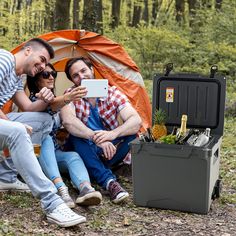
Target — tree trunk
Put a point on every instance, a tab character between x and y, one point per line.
207	3
146	12
12	9
92	16
192	5
115	13
156	5
19	5
62	15
179	7
136	14
49	17
154	11
28	2
129	12
76	9
99	8
218	4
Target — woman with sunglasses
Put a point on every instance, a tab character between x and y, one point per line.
52	158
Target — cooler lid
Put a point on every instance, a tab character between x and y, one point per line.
201	98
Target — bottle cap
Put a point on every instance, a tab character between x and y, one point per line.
207	132
184	117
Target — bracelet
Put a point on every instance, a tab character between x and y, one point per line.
45	101
66	101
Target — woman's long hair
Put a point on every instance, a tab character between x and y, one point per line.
32	82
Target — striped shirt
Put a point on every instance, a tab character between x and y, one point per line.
10	83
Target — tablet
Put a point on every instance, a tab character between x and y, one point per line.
95	87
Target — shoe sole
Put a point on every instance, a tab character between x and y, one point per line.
68	223
121	199
90	199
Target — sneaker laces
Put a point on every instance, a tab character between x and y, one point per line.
115	188
65	211
86	189
19	183
63	191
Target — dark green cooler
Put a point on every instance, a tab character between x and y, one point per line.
182	177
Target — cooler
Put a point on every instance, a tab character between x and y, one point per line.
182	177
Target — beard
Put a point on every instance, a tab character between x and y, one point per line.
30	68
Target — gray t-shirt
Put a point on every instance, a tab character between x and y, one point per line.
10	83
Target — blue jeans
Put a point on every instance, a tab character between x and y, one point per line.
52	161
98	168
41	124
14	136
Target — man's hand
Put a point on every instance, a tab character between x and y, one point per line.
109	149
76	93
45	94
103	135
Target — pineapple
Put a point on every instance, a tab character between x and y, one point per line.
159	128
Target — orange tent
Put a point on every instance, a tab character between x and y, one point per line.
110	61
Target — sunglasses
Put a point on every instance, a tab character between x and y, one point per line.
46	74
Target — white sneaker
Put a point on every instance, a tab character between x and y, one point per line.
16	186
64	216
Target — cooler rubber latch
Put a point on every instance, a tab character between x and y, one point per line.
168	68
213	71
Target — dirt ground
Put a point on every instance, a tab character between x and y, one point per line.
21	214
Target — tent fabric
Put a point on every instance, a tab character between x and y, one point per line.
110	61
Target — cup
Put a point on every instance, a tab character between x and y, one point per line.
37	149
6	152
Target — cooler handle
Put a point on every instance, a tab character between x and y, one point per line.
166	150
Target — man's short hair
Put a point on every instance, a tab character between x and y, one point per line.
72	61
35	42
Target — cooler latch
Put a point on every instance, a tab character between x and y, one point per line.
213	71
168	68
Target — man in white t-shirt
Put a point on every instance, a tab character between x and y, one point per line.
15	135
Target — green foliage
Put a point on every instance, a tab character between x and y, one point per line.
19	200
228	161
151	47
148	86
5	228
169	139
21	25
213	36
160	117
207	37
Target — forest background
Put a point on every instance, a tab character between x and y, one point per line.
191	34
